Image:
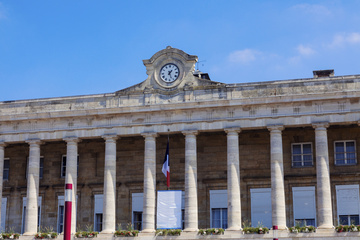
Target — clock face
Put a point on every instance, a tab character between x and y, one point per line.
169	73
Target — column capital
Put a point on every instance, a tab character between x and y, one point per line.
149	134
72	139
232	130
320	125
35	141
113	137
190	132
275	128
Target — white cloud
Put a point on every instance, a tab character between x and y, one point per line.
244	56
305	51
313	9
342	39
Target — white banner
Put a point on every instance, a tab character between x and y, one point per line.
169	210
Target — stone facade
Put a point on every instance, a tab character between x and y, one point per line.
233	137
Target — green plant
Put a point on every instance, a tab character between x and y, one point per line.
88	233
126	233
10	235
303	229
211	231
347	228
46	232
258	230
168	232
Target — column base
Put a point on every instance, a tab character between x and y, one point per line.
107	231
325	229
29	233
149	230
233	229
190	230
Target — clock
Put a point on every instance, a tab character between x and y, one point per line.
169	73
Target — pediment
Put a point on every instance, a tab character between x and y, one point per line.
181	75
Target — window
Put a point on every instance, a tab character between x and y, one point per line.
98	212
61	213
137	210
63	166
41	168
345	153
3	213
183	210
348	209
302	154
218	208
348	219
61	219
261	207
24	213
61	209
219	218
137	220
98	222
304	206
6	169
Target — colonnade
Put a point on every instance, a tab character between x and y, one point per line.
324	209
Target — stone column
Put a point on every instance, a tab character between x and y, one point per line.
324	208
233	179
2	156
191	200
149	183
109	210
277	177
71	174
31	216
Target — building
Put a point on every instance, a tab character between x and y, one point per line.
278	153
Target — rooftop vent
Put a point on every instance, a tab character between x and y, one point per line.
323	73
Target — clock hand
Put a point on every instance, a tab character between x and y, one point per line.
169	73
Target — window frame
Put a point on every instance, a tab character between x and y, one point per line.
41	167
218	200
8	170
302	154
344	153
355	210
301	193
63	168
265	207
60	218
137	199
223	219
24	205
98	210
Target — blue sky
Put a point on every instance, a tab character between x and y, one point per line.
64	48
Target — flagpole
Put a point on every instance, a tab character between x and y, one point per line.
168	187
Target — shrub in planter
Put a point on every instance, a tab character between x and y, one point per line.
42	235
46	232
129	232
126	233
10	235
168	232
347	228
304	229
88	233
253	230
211	231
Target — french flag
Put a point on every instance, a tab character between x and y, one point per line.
166	165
